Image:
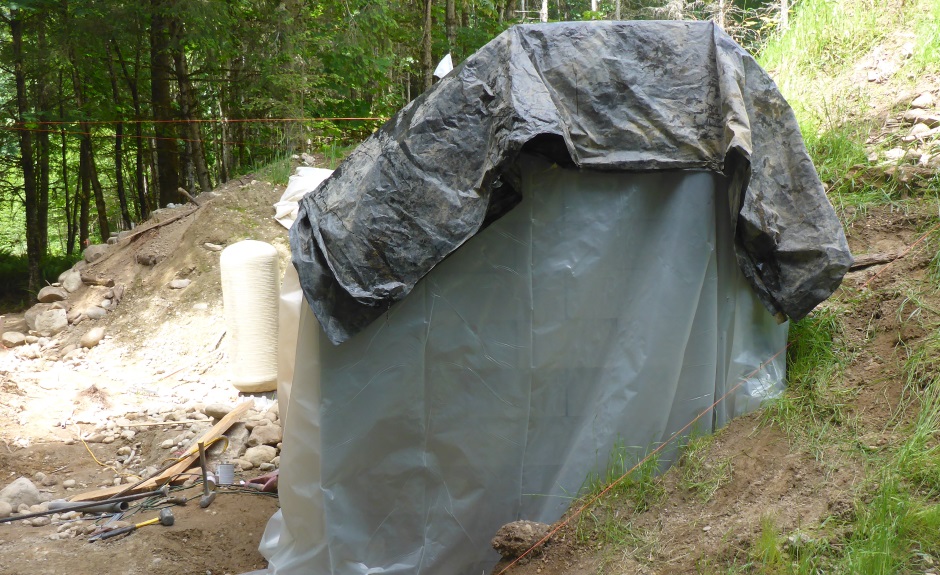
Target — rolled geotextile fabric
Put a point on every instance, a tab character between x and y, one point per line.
250	296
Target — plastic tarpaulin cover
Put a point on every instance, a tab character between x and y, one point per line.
605	309
612	96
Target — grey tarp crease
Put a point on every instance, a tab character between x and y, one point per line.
611	96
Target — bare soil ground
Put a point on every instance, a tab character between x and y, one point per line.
163	357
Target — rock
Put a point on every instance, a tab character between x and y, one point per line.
71	280
30	339
237	436
49	481
272	413
96	437
29	352
218	410
212	247
20	492
265	435
68	349
68	483
74	354
5	509
51	322
33	313
75	316
260	454
894	154
105	303
95	252
117	294
266	467
95	312
925	100
920	130
128	434
92	337
243	464
514	539
14	323
51	294
12	338
167	444
41	521
146	259
180	284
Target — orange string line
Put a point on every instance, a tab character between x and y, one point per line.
201	121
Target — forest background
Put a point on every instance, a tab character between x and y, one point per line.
113	108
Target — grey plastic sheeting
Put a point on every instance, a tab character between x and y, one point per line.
615	96
603	310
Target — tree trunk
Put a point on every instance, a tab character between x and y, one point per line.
69	218
426	64
42	137
84	172
197	154
118	144
451	24
143	207
167	149
91	173
784	15
104	229
33	234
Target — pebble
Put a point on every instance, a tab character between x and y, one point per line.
108	439
212	247
125	450
260	454
5	509
40	521
218	410
68	483
92	337
180	284
167	444
95	312
266	467
128	434
12	339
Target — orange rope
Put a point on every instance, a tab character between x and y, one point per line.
202	121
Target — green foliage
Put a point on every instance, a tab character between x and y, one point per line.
13	277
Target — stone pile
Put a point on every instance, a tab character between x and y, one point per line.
34	334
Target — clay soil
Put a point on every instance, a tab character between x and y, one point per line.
164	350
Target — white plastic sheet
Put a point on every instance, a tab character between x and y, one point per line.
605	309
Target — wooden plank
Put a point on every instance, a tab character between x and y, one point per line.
168	474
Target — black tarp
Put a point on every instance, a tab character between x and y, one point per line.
611	96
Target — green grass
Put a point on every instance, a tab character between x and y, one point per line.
700	473
927	37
